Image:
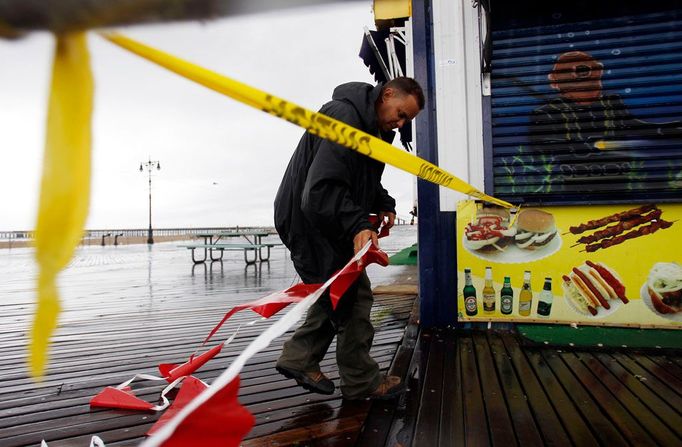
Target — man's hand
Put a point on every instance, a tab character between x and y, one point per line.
361	239
391	219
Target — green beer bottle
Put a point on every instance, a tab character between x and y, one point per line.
470	304
506	297
546	299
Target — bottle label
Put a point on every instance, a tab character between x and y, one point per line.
470	304
506	304
544	308
489	302
524	306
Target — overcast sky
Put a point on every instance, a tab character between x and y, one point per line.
221	161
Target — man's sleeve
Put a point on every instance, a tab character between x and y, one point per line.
327	202
384	202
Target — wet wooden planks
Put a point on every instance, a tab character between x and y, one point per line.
488	388
57	409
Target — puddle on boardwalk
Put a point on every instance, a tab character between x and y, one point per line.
111	280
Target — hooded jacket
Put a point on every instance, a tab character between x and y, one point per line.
328	191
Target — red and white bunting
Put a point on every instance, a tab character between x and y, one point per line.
213	414
183	426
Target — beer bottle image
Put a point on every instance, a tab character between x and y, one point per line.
488	292
546	298
506	297
526	296
470	304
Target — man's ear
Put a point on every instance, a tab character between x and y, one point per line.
388	93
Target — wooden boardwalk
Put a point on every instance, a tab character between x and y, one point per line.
127	309
486	388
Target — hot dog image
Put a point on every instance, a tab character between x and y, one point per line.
580	302
592	288
490	230
664	286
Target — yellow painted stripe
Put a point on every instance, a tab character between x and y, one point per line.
65	185
315	123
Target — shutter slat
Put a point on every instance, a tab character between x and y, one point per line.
625	146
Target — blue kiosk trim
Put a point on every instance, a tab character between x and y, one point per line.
437	247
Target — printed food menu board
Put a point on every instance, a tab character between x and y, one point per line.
616	265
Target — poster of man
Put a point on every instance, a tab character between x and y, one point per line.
589	133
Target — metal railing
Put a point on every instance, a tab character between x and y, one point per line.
113	236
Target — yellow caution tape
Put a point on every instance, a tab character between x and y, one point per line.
65	186
315	123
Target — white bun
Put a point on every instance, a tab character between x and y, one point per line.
493	211
535	221
478	245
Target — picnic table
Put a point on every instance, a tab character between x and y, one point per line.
212	242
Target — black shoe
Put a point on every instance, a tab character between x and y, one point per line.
313	381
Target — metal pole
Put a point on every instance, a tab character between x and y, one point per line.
150	235
149	164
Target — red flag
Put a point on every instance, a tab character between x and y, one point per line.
349	274
380	227
191	388
220	421
271	304
172	372
111	397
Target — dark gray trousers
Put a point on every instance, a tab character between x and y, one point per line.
354	331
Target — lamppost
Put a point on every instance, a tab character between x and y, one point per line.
150	166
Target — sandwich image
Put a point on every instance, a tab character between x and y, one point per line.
489	231
579	301
664	286
534	229
593	286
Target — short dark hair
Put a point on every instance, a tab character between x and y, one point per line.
407	86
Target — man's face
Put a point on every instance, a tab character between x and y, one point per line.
577	76
395	108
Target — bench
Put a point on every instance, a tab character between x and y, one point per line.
222	247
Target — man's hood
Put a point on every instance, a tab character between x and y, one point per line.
362	96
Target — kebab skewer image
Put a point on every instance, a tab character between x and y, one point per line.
616	217
641	231
621	227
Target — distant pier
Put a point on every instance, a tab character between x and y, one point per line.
125	236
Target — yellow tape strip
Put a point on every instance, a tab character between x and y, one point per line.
315	123
65	186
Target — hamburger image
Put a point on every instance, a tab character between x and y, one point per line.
664	285
534	229
490	230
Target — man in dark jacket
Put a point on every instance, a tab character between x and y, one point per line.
322	215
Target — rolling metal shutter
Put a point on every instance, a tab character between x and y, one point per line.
558	137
